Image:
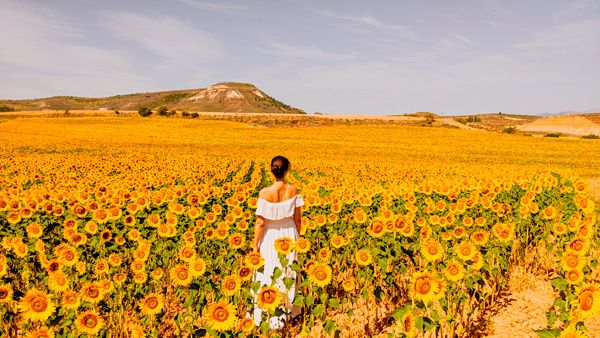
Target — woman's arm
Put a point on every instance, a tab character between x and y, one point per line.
259	230
298	219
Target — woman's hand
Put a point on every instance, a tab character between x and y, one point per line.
255	247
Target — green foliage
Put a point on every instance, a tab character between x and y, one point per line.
144	111
591	137
185	114
552	135
5	109
509	130
162	111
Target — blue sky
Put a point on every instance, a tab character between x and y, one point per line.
355	57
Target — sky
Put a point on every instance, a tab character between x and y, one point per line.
338	57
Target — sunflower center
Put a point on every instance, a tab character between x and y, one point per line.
465	250
432	249
220	314
269	296
577	245
320	274
230	285
39	304
182	274
423	286
407	325
453	270
92	292
586	301
152	302
572	261
3	293
90	321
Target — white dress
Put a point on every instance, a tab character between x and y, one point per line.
279	222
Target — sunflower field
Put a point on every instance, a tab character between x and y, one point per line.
126	227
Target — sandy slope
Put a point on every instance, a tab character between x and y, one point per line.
573	125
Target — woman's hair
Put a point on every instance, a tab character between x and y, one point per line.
279	165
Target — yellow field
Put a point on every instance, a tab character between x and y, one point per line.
130	226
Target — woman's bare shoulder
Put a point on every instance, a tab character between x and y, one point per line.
293	190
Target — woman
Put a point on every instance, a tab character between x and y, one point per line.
278	215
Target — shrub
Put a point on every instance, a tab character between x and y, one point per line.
195	115
509	130
144	111
552	135
473	118
172	112
460	120
162	111
591	137
6	109
185	114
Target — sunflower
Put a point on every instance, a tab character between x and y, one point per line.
246	325
454	271
363	257
424	286
36	306
254	260
158	273
432	250
572	331
42	332
70	300
89	323
245	273
231	285
236	241
5	293
181	275
114	259
574	276
34	230
220	316
480	237
588	300
408	324
549	212
269	298
425	232
91	227
320	274
91	292
348	284
284	245
466	251
152	304
187	254
197	267
503	232
140	277
337	241
572	261
559	228
101	267
58	282
578	246
324	254
302	245
376	228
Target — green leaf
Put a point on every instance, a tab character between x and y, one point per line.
319	310
400	312
334	303
310	300
299	300
548	333
288	282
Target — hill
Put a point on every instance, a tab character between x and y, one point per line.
220	97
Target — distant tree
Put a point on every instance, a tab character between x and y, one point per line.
162	111
591	137
144	111
509	130
194	115
552	135
172	113
185	114
6	109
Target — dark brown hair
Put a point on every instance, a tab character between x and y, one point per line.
279	165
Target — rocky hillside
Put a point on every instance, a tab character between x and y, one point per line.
221	97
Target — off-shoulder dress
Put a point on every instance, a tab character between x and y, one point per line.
279	222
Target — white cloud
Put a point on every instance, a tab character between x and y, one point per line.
367	24
47	54
170	39
310	52
217	7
